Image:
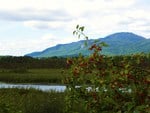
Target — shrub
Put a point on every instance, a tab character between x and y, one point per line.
102	86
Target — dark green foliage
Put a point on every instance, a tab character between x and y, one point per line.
40	75
21	64
30	101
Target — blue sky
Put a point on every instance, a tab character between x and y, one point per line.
33	25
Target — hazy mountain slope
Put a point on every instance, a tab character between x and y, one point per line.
119	44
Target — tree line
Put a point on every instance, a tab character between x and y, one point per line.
13	62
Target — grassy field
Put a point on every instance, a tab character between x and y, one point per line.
36	76
40	76
32	101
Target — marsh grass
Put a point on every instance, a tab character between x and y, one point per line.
30	101
41	76
14	100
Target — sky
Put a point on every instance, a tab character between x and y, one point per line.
34	25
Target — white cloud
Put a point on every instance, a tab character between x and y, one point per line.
96	15
34	15
52	40
57	9
45	25
58	19
22	47
33	4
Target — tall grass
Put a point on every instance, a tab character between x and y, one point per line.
14	100
42	76
30	101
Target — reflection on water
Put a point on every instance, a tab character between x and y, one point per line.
59	88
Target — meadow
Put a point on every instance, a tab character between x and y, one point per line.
39	76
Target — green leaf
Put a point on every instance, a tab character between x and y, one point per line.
86	38
82	28
77	26
74	32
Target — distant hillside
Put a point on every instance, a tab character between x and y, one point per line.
119	44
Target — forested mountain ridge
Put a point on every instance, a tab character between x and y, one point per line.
121	43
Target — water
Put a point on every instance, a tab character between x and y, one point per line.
58	88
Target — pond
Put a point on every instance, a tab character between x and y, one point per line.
58	88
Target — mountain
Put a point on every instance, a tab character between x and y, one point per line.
119	44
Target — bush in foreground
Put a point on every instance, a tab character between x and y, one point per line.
102	86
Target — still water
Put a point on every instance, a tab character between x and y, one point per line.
58	88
